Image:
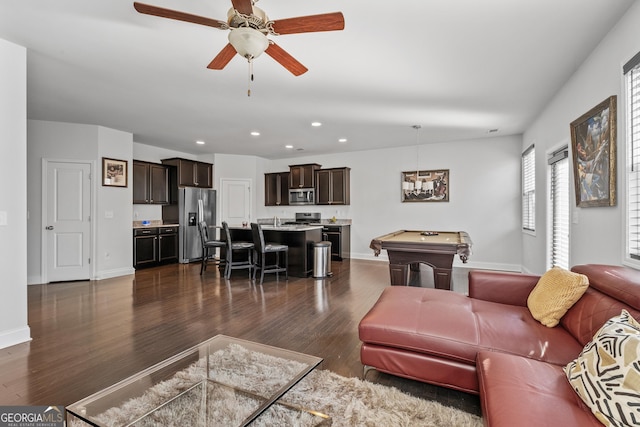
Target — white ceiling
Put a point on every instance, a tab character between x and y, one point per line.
456	67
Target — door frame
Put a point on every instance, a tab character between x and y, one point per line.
43	214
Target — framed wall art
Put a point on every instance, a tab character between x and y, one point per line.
425	186
114	172
593	143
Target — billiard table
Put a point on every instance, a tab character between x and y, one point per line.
437	249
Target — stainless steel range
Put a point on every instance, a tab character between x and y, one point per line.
306	218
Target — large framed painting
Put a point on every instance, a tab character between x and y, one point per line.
593	143
114	172
425	186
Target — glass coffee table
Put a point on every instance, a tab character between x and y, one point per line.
223	381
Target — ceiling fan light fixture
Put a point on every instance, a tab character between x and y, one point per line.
249	43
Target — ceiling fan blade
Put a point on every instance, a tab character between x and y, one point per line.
243	6
310	24
180	16
222	59
286	60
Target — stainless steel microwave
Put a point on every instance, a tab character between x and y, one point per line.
302	196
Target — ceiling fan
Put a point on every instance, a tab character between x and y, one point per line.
249	27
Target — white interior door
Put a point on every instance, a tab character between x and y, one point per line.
67	221
235	200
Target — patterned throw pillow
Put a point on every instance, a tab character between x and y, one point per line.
606	374
556	291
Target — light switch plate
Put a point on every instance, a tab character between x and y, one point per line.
3	217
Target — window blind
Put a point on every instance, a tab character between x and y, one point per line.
559	209
632	73
529	190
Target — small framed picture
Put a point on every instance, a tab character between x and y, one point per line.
114	172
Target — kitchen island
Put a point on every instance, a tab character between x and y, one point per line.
299	238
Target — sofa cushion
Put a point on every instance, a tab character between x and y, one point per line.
556	291
517	391
606	374
611	289
453	326
617	281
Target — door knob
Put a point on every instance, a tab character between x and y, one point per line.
49	227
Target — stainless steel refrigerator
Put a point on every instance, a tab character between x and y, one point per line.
194	205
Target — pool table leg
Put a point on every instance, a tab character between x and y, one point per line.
398	273
442	278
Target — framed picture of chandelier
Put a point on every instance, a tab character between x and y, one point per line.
593	143
425	186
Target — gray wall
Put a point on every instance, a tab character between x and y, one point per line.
13	194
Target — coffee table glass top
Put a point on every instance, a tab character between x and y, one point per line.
181	391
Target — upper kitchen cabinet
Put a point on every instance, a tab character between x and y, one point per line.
276	189
191	173
303	176
333	186
150	183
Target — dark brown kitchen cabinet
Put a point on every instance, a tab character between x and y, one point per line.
191	173
303	176
154	246
145	247
333	186
167	245
150	183
276	189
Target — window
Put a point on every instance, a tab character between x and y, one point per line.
529	189
559	208
632	79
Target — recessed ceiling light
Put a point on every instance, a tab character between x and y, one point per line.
342	140
288	146
200	142
255	133
316	124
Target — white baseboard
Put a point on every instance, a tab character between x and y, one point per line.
15	336
34	280
105	274
369	256
108	274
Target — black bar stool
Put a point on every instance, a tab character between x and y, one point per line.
209	246
231	246
262	249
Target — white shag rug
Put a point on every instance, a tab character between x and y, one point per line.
348	401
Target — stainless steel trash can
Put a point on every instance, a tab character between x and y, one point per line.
322	259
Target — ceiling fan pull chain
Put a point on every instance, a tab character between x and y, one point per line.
250	77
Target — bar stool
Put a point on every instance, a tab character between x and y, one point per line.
230	264
262	249
208	247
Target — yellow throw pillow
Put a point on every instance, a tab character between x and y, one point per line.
556	291
606	374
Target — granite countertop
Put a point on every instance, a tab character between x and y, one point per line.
291	227
286	221
287	227
153	223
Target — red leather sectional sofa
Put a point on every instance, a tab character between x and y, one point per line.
488	343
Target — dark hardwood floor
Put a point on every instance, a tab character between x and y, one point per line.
90	335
